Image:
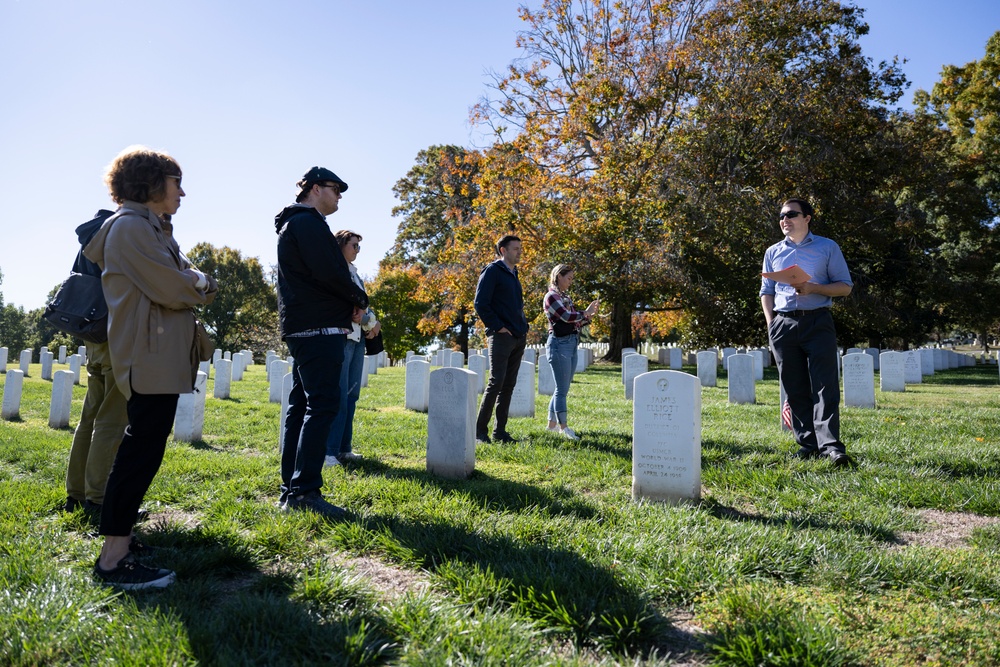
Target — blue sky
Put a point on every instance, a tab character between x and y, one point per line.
248	95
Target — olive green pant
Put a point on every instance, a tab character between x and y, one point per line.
99	433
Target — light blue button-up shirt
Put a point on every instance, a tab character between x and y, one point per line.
820	257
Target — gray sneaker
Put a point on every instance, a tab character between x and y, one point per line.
313	501
348	456
131	575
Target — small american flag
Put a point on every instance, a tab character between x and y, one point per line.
786	415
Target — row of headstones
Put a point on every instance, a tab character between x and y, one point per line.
522	404
47	359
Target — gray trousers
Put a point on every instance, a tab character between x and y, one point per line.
805	347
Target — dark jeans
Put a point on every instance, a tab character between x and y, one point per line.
506	352
342	432
312	407
150	418
805	348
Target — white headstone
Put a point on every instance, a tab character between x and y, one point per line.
633	366
676	358
529	355
189	419
726	353
418	385
82	351
742	387
859	380
227	355
457	359
286	391
479	365
892	371
276	372
758	364
75	361
546	380
666	437
873	352
216	355
46	365
12	394
25	361
939	361
223	378
522	402
62	354
62	398
912	368
371	364
205	368
271	356
627	351
926	361
3	360
708	368
409	354
582	361
236	372
247	358
451	423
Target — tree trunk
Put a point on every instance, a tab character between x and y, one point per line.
621	330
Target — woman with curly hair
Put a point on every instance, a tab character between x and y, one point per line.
151	288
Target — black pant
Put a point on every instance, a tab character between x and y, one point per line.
150	418
506	352
805	347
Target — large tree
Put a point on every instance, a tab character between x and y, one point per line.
437	199
592	103
957	126
244	313
787	105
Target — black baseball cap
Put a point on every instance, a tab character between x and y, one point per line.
321	175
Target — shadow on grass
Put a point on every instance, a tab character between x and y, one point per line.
553	585
986	376
256	618
864	529
489	492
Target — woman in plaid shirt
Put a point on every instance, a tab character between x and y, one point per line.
565	322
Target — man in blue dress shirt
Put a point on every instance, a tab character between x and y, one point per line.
800	327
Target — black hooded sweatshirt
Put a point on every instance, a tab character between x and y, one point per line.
315	289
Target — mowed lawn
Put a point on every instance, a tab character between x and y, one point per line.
540	558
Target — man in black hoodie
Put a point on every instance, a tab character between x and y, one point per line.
317	301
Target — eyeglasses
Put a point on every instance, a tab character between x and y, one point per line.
791	215
332	186
356	246
178	179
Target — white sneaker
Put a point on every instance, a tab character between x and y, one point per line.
570	434
330	462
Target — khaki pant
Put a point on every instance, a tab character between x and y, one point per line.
99	433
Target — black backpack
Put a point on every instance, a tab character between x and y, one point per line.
79	308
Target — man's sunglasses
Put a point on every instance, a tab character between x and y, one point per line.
791	215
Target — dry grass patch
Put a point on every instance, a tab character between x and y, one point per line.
945	530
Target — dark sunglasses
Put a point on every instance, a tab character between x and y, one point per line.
791	215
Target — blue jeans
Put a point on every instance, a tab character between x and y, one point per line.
342	431
561	355
312	407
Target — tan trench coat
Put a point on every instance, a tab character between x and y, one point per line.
151	325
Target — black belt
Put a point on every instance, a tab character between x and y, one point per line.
802	313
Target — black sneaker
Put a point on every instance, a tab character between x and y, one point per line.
72	504
504	437
482	436
314	502
131	575
139	548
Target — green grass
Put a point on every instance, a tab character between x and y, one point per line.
541	557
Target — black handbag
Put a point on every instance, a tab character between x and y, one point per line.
374	345
79	309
